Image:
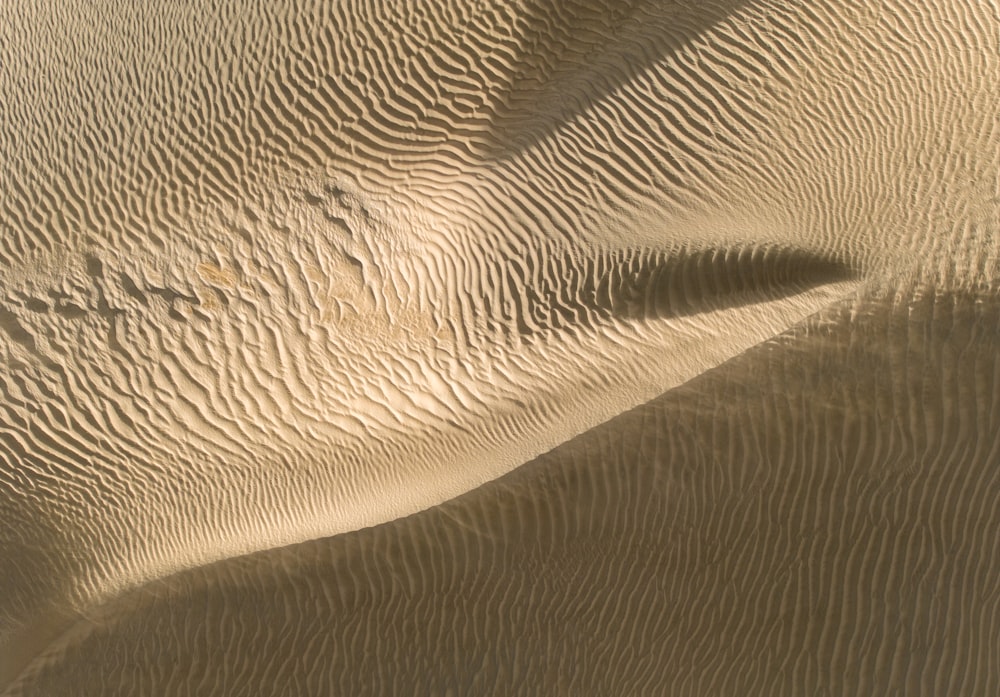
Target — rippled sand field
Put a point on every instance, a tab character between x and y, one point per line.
554	347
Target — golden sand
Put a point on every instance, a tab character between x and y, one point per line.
543	348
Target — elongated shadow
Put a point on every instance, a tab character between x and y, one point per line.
572	55
570	291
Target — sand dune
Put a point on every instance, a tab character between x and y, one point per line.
501	348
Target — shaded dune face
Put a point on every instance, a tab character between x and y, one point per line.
774	526
710	287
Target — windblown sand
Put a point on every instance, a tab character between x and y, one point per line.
556	347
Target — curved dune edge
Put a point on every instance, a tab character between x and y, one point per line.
764	312
690	319
736	535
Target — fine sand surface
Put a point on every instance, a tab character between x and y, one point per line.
639	347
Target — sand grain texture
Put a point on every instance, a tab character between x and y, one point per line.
499	348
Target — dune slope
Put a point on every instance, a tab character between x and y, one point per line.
519	347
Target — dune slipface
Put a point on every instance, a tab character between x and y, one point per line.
500	348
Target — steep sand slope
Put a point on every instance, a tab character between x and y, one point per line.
816	516
271	273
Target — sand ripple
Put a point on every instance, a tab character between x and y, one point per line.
525	348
